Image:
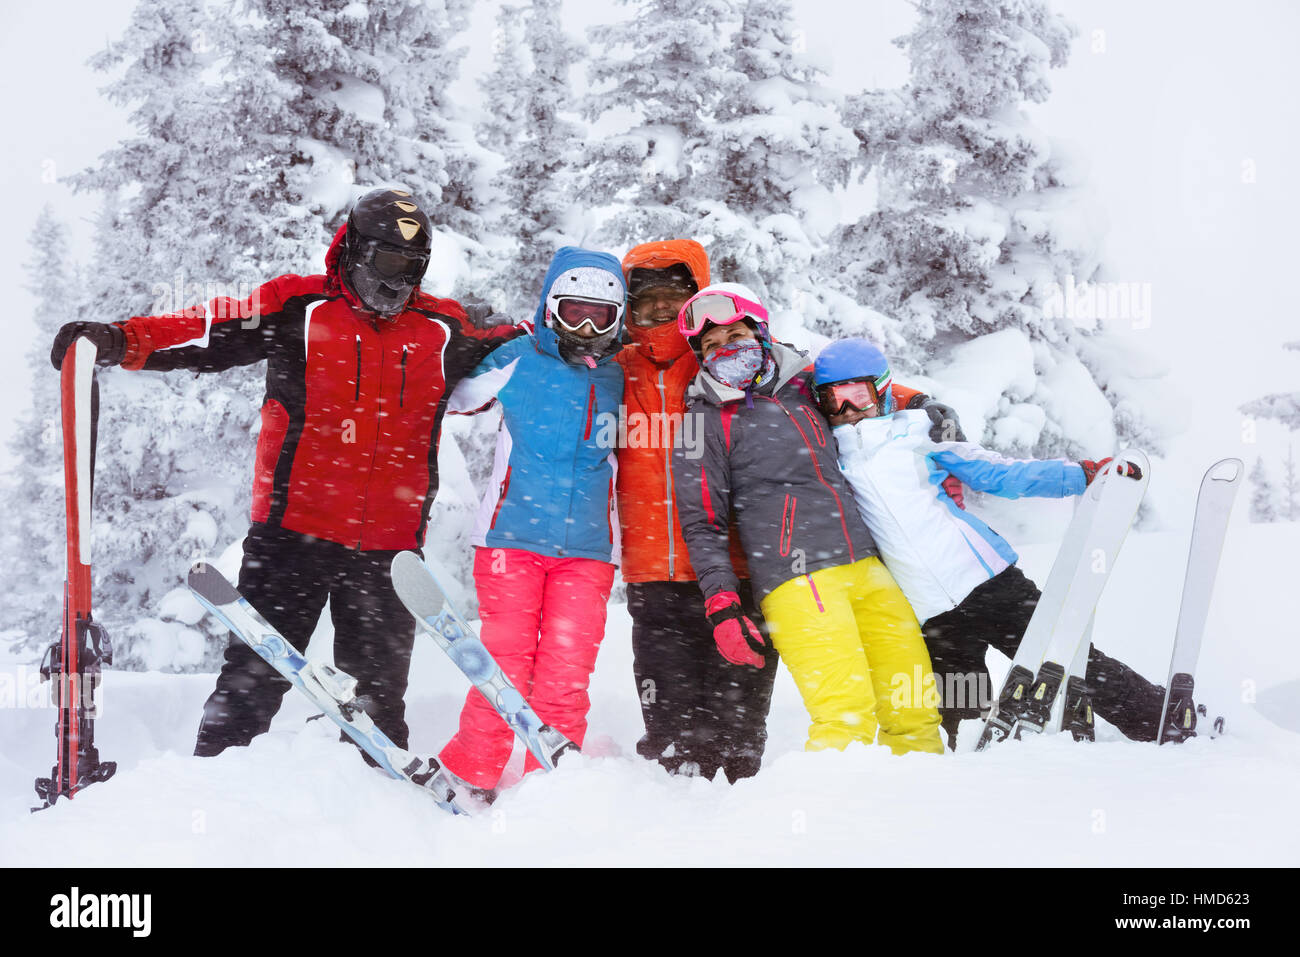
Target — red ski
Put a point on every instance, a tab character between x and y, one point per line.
73	662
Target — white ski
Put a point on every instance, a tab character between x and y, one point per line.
1209	528
1060	620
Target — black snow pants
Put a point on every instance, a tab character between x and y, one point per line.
698	708
997	613
288	577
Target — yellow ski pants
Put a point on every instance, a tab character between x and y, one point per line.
854	648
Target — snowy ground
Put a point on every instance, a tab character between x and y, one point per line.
297	796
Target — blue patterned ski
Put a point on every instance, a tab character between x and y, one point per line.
331	690
419	589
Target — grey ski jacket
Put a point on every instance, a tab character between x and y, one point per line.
771	459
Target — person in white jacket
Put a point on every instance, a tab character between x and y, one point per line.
959	575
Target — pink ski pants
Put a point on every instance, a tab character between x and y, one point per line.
543	621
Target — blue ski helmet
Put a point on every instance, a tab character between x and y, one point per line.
848	360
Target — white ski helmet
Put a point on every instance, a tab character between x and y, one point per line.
588	284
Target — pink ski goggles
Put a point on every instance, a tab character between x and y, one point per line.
719	308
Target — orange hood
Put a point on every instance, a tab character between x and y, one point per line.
670	252
664	344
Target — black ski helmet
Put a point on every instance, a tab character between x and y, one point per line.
386	249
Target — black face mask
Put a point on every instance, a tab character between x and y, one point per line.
384	276
575	348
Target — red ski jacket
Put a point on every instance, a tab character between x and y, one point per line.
348	450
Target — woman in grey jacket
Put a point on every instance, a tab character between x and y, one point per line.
763	452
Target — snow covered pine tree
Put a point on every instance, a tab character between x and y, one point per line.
35	541
982	221
528	95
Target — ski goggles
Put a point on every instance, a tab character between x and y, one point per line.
393	262
861	394
573	314
676	279
719	308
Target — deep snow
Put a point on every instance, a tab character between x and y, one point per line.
298	796
1184	220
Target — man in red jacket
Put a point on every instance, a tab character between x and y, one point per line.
360	364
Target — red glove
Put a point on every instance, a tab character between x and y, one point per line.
952	485
1090	469
737	639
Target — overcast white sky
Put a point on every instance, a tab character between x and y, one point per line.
1168	101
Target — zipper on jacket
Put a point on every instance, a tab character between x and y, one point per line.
815	425
562	546
401	395
374	445
357	397
818	469
501	498
786	537
668	475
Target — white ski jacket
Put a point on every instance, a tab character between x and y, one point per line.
936	551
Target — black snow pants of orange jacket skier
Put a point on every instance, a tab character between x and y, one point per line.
701	712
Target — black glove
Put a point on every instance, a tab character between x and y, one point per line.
945	427
109	340
483	316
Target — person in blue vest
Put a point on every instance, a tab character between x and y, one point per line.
545	540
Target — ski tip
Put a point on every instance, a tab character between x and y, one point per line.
416	585
1137	457
211	584
1226	470
1132	456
